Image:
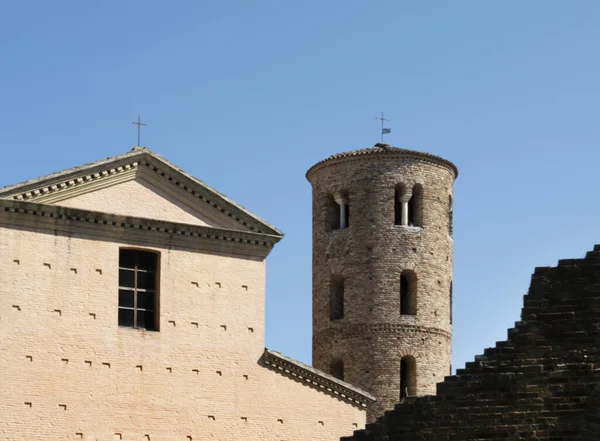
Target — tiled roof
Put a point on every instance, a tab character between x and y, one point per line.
384	149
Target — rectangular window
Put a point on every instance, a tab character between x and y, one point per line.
138	280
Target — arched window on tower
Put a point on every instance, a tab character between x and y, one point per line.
415	206
399	206
336	369
337	211
450	215
408	293
408	377
336	298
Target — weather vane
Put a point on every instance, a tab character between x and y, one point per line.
384	130
140	124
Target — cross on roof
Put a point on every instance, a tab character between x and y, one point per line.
139	124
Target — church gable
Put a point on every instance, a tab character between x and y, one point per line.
140	184
140	198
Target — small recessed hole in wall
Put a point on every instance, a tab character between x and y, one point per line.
195	324
63	406
106	364
414	250
435	313
17	261
431	252
64	360
440	282
218	284
245	287
245	377
79	434
58	311
393	249
88	362
280	420
196	371
47	265
172	322
219	373
224	327
74	270
29	357
99	271
17	307
251	329
354	425
244	419
196	284
118	436
92	315
211	417
169	369
28	403
447	258
321	423
139	367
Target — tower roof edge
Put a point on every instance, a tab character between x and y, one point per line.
383	149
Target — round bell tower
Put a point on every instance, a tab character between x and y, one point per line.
382	270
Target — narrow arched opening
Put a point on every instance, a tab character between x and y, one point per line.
336	369
408	293
408	377
399	206
415	206
336	297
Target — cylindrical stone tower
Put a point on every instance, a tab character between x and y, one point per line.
382	270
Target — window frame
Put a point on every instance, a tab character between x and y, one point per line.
136	289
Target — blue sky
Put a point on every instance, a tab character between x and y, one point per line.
248	95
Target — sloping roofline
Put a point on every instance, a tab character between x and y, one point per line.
317	379
142	153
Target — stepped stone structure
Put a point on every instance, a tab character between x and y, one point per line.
382	270
543	383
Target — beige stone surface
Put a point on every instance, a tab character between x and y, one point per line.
198	377
139	198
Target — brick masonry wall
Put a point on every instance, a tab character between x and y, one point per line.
371	254
542	383
70	373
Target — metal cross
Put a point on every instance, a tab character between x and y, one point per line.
384	131
140	124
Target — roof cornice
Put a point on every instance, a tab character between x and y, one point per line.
317	379
147	231
53	187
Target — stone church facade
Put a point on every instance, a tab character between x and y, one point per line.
132	307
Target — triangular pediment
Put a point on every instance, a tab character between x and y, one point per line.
139	184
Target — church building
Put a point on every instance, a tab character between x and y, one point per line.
132	303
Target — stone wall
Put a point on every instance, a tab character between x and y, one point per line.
70	373
373	337
543	383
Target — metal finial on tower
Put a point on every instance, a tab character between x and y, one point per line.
384	131
139	124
